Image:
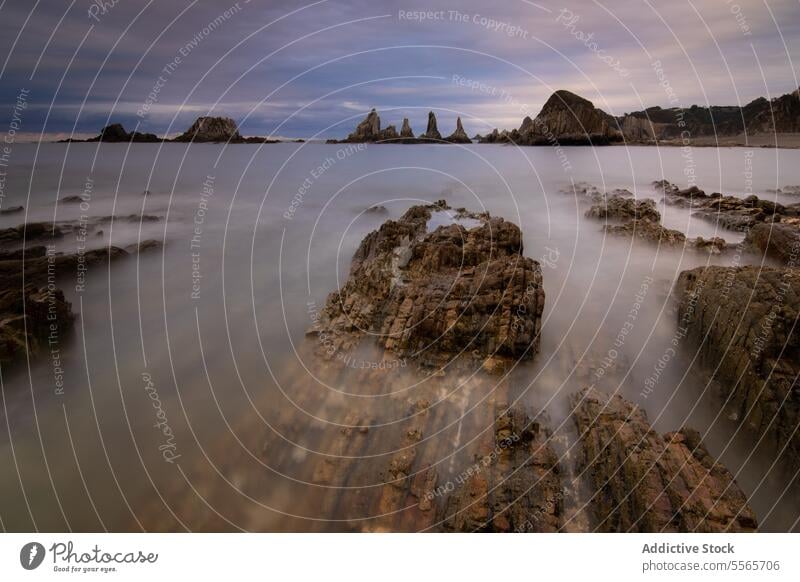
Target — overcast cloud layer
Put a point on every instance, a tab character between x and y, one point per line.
312	69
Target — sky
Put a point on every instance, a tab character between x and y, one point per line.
314	69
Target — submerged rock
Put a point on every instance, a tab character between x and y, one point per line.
439	295
774	239
29	317
648	230
619	208
12	210
743	323
30	231
644	482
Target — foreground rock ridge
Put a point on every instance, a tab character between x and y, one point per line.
742	321
459	452
33	308
436	296
641	481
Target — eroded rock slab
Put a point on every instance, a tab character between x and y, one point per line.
435	296
516	487
644	482
743	322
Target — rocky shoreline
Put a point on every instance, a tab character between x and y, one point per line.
566	119
33	308
458	302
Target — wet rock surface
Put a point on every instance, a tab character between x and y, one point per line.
516	487
29	316
436	296
619	208
32	305
743	323
644	482
774	239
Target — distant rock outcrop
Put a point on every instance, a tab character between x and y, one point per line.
211	129
459	135
115	133
432	132
405	131
369	130
569	119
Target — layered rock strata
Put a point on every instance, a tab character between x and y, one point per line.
743	323
644	482
440	295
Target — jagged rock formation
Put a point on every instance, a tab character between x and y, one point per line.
572	119
517	489
432	132
743	323
435	296
643	482
369	130
459	135
211	129
405	131
566	119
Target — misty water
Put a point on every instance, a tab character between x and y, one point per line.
255	238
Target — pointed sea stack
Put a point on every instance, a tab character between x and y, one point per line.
368	130
432	132
459	135
405	131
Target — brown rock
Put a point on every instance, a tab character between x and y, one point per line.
432	132
459	135
439	295
515	487
743	323
643	482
